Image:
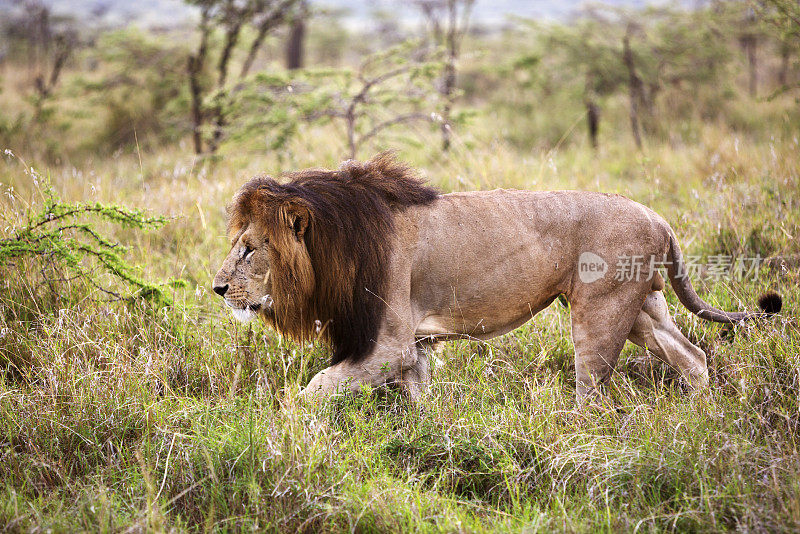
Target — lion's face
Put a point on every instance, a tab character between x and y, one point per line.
244	278
268	270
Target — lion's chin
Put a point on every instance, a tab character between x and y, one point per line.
243	315
247	314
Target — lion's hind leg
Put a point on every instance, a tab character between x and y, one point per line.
655	330
600	326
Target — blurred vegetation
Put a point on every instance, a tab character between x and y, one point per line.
389	88
124	416
136	90
658	73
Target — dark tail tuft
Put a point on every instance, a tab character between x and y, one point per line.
770	303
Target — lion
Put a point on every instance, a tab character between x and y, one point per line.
382	267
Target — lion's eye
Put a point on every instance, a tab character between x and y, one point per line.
246	251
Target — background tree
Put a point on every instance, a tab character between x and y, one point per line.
387	89
447	22
782	18
654	57
228	17
48	41
139	90
748	39
626	29
635	84
588	59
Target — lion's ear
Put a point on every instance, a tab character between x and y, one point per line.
296	215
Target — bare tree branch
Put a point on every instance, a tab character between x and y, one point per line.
274	18
394	121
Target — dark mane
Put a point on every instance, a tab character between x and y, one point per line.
348	241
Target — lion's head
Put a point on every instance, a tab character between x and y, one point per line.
309	254
268	255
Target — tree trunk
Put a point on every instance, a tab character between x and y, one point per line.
195	68
592	121
294	46
275	17
749	43
231	38
783	73
197	111
752	63
449	81
447	91
635	88
350	122
592	111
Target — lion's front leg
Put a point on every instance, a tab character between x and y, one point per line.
415	382
382	366
339	378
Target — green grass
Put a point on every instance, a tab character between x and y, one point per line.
116	416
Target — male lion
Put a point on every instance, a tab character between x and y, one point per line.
380	266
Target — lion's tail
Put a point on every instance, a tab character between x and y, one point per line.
770	303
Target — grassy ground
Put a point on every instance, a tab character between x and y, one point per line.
116	417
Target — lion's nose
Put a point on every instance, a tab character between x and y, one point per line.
221	290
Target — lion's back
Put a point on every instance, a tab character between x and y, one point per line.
577	214
533	230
